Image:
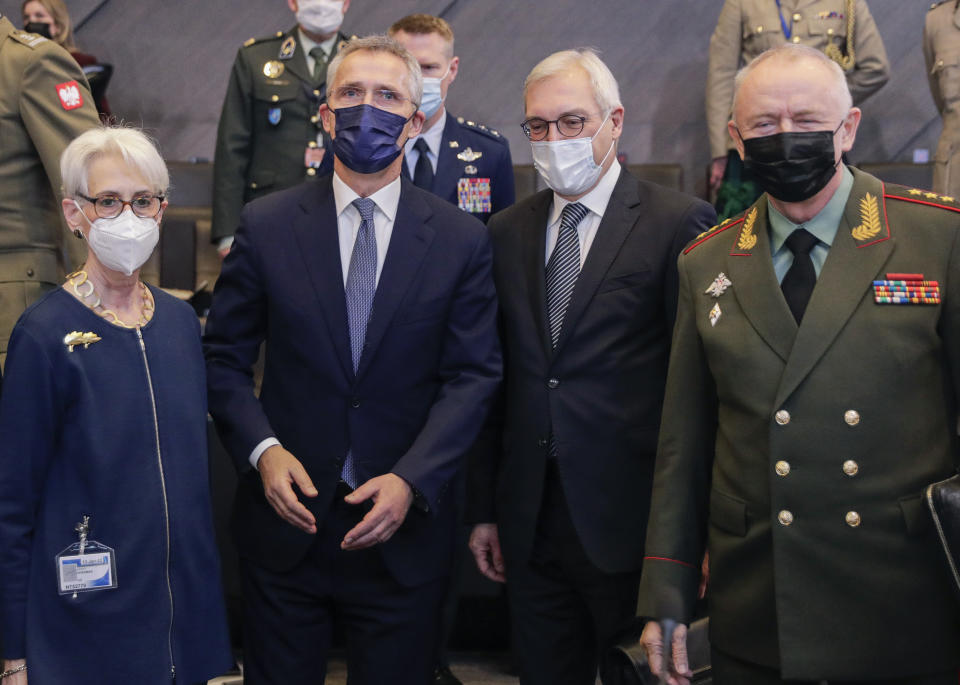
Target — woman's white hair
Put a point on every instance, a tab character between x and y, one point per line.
605	89
386	44
131	144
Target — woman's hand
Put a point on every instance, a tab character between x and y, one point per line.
19	678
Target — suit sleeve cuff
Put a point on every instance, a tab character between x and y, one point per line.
261	447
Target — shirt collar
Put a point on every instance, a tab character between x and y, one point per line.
433	137
309	44
824	225
386	199
596	200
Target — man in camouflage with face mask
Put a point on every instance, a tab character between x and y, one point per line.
811	397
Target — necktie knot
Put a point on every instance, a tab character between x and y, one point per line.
801	241
572	215
421	146
365	206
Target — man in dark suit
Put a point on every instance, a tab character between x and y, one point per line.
378	309
463	162
269	136
812	397
587	284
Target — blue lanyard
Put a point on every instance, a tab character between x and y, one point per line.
783	22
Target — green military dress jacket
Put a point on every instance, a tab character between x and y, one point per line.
941	49
798	455
44	104
268	121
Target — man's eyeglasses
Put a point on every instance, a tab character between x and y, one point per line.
145	205
568	126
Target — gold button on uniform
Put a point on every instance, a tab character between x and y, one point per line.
759	29
853	519
274	98
314	119
785	517
829	32
797	17
852	417
311	172
850	467
796	39
311	144
782	468
782	417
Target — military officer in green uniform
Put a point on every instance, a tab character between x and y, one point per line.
941	48
269	136
466	163
842	29
811	397
44	104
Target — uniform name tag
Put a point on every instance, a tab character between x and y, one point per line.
92	567
473	195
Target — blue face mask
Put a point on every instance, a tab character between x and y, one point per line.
367	136
432	94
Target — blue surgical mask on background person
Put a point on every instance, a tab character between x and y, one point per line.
125	242
320	16
366	137
567	165
432	98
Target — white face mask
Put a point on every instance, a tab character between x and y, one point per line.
567	165
432	94
320	16
125	242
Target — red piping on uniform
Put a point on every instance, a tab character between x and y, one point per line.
711	234
675	561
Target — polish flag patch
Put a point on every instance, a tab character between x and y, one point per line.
70	95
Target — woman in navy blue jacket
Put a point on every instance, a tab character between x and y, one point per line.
108	571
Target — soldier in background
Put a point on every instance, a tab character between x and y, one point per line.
270	137
463	162
44	104
843	29
941	48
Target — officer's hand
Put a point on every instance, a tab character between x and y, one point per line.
485	545
652	641
704	576
279	470
717	167
223	252
392	497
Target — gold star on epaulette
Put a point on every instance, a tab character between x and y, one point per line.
931	196
459	120
279	34
495	132
248	42
946	198
914	191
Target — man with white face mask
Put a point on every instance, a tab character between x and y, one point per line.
270	136
463	162
587	282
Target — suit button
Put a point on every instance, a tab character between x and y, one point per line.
782	417
542	442
553	383
355	403
30	273
785	517
311	172
782	468
850	467
852	417
853	519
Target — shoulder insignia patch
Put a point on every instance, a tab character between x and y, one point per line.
870	225
263	39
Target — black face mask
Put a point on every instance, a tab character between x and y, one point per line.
38	27
791	166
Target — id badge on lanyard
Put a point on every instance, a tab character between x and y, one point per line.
86	565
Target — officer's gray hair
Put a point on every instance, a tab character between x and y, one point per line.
131	144
791	53
605	89
380	43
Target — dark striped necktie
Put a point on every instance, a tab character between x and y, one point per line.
563	267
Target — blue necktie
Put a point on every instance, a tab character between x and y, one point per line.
563	267
360	289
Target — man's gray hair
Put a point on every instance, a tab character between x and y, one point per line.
131	144
380	43
605	89
792	53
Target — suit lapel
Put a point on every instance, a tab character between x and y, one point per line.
754	283
315	229
534	246
618	220
847	275
409	243
445	180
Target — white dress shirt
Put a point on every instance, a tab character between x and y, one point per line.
596	201
433	137
386	201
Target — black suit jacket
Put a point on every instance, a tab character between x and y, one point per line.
430	364
601	389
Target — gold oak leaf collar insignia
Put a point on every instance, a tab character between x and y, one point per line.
748	238
869	219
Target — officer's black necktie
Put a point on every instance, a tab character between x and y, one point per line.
423	172
797	285
319	64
